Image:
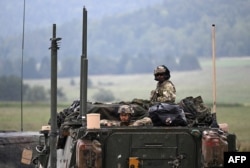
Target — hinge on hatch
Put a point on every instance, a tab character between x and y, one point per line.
176	161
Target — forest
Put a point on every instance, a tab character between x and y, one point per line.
132	38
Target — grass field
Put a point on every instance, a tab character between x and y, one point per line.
233	95
232	83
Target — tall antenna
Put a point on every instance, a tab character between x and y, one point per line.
214	68
22	66
84	67
214	122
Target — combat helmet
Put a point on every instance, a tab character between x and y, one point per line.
125	109
162	69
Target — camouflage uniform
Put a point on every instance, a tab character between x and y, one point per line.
164	92
142	122
105	122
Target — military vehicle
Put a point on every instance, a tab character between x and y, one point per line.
75	137
13	144
88	145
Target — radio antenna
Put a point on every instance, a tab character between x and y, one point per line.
214	68
84	68
22	66
214	123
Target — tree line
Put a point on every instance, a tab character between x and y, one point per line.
174	34
31	69
11	89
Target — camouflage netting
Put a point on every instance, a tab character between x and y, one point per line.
12	145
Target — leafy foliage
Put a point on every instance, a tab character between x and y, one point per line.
104	96
134	40
10	89
36	93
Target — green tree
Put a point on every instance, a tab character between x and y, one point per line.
104	96
189	63
29	69
10	88
8	67
36	93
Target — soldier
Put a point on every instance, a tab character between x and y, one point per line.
165	90
125	112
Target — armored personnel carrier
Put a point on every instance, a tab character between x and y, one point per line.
75	137
85	144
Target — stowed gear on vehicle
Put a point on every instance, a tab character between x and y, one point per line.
195	144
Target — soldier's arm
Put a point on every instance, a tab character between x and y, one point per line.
143	121
105	122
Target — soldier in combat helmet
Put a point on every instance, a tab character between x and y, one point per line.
165	91
125	113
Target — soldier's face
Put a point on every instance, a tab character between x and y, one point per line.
124	117
160	77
